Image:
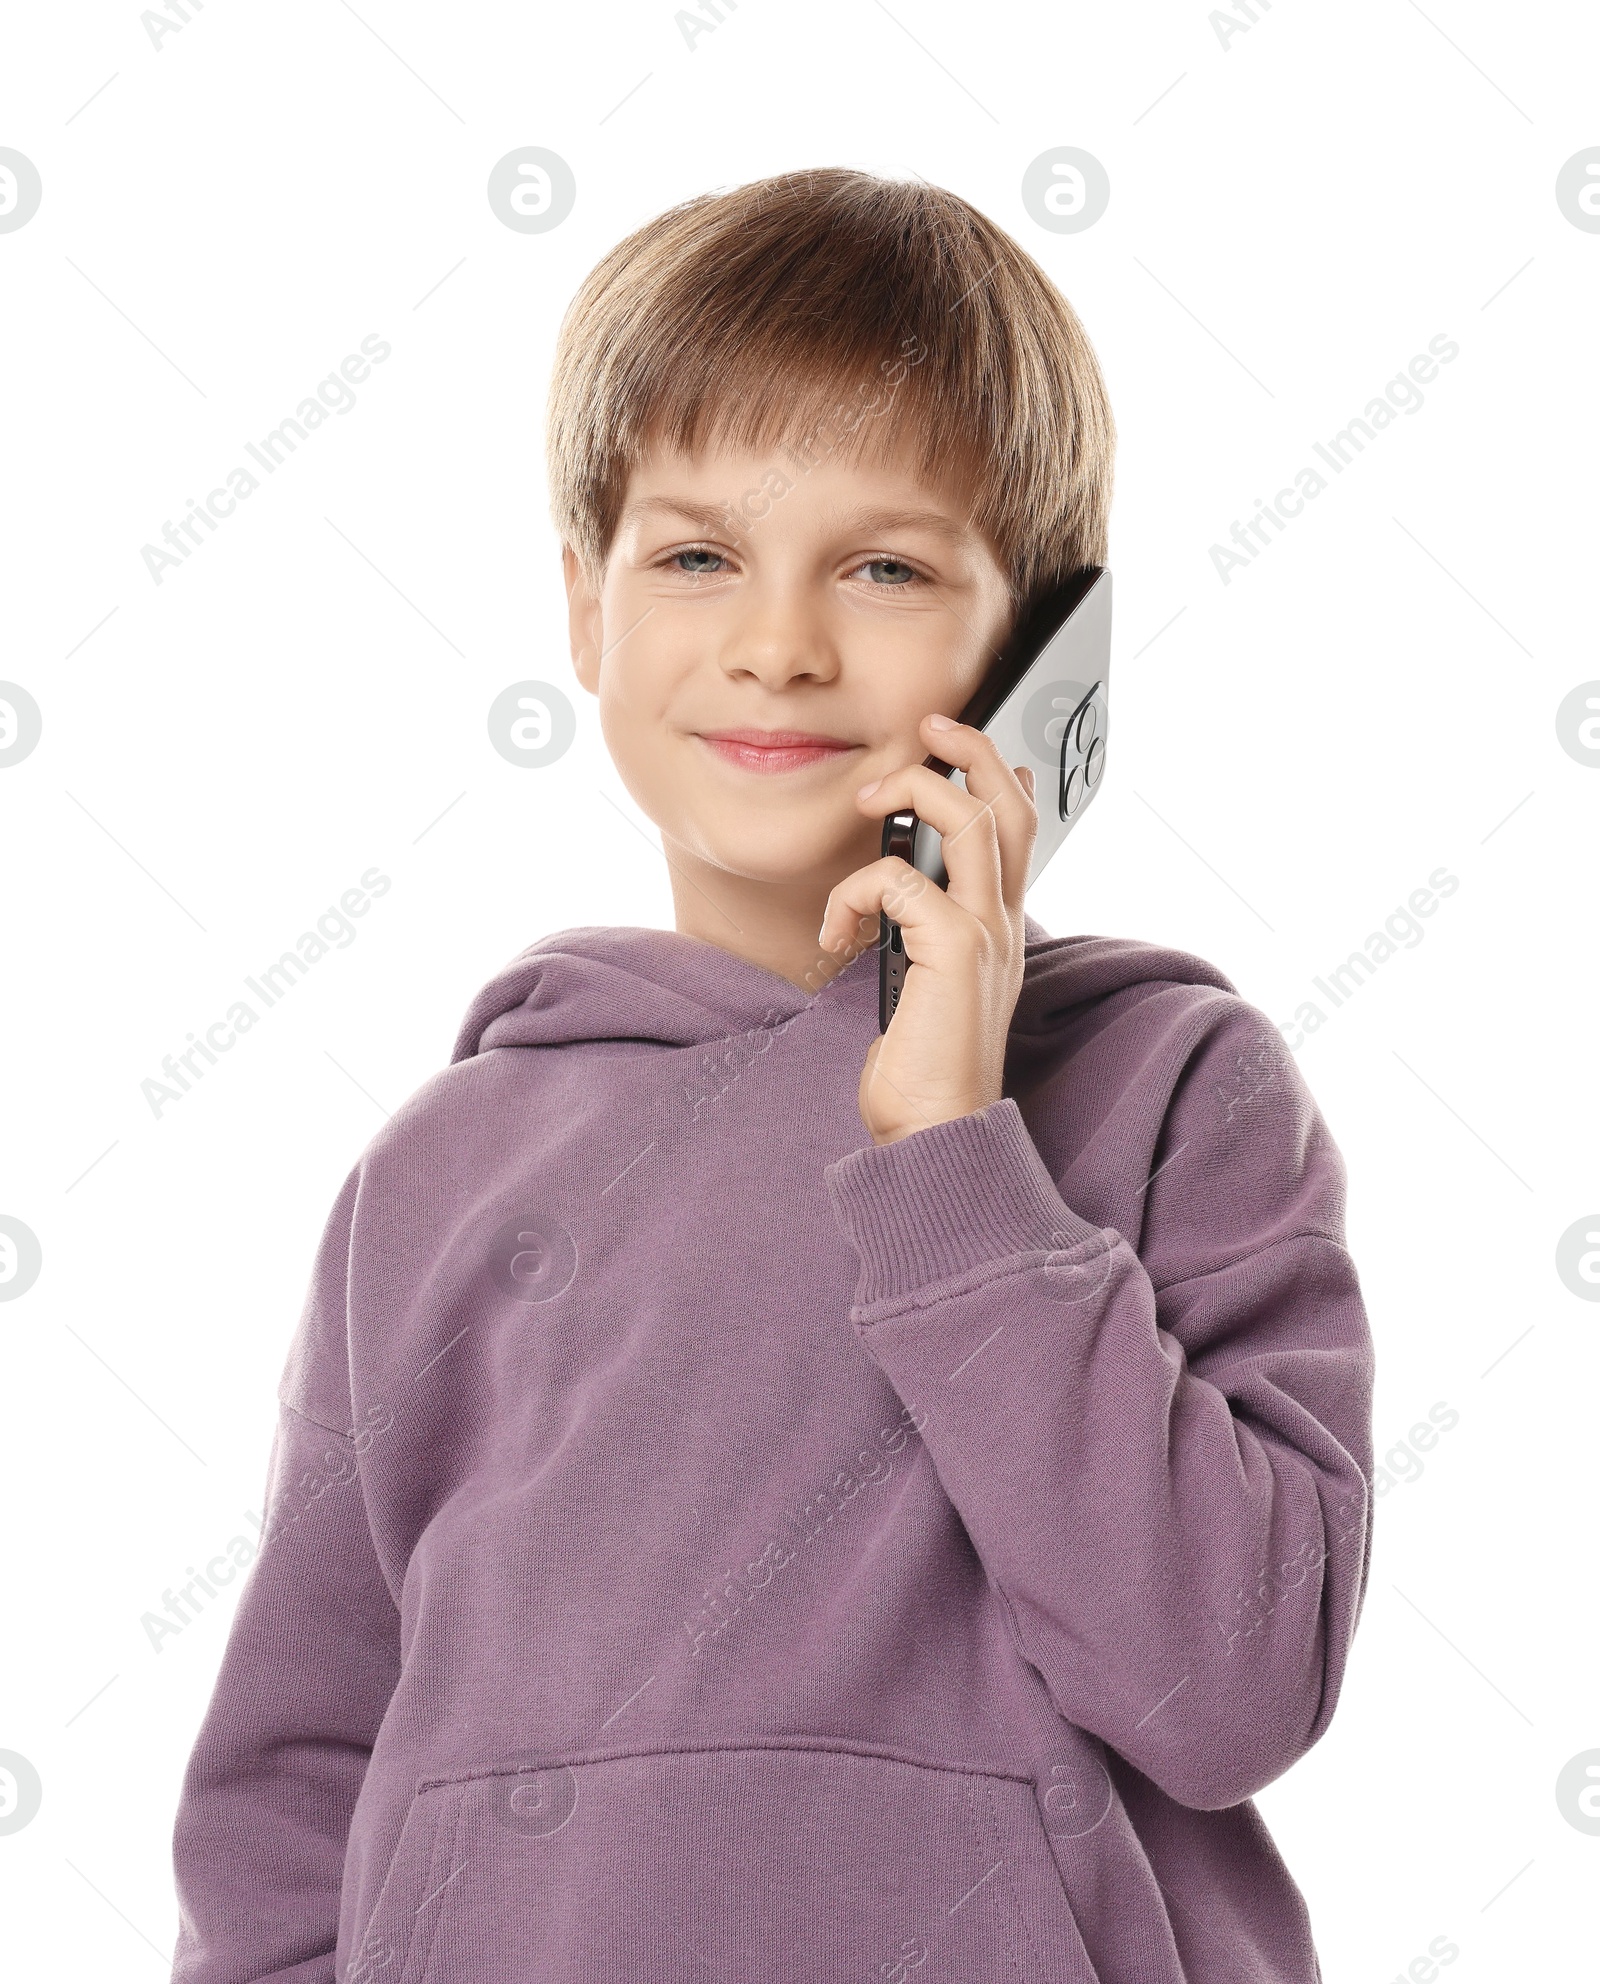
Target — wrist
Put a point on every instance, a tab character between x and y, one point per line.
943	1113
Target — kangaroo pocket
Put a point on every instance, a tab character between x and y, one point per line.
838	1865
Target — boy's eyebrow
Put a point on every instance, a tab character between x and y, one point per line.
937	521
710	515
718	516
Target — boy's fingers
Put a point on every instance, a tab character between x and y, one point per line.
893	888
967	828
1000	786
1000	789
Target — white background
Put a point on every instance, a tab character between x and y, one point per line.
1292	218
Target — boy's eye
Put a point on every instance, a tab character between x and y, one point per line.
695	559
889	572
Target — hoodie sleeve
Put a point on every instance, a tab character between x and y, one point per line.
1161	1457
311	1662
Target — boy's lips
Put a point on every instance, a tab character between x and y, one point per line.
773	750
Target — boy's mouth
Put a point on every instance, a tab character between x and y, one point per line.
773	750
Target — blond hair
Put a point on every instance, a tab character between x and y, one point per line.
769	312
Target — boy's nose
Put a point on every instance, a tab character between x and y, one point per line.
778	639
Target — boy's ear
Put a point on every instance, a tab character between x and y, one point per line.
583	620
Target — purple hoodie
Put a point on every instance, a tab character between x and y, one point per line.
704	1545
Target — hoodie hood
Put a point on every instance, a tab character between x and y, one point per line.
629	985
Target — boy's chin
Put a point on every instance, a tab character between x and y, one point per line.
797	855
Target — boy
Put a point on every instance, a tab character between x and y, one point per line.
755	1499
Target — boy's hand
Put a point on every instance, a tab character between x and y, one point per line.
944	1052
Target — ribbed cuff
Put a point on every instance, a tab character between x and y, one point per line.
948	1199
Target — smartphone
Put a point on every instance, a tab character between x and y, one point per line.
1044	704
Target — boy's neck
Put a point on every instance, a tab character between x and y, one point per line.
768	924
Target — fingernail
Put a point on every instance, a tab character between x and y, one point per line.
866	791
942	723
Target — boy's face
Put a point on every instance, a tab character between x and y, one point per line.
746	594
